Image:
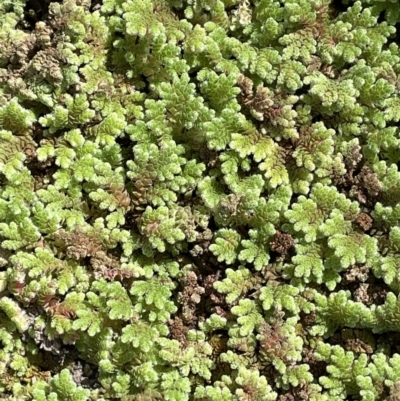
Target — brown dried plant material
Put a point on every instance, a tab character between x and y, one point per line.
209	281
37	57
221	369
369	181
22	143
178	330
281	243
314	64
308	320
209	156
260	103
353	158
190	297
357	273
212	300
295	394
272	341
34	373
394	392
44	35
358	341
120	195
286	397
144	188
109	267
246	86
17	52
365	221
79	244
46	63
370	294
219	344
365	185
223	312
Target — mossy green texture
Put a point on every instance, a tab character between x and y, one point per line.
199	200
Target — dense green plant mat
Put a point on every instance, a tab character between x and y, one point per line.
199	200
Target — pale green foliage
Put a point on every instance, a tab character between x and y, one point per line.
64	386
194	359
226	245
279	297
163	172
235	284
388	269
175	387
330	92
308	265
353	249
14	313
251	383
343	370
249	316
315	157
183	186
254	250
163	226
181	103
219	131
152	296
211	191
16	119
308	214
213	393
213	86
338	309
75	112
387	315
61	387
140	335
19	235
112	301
